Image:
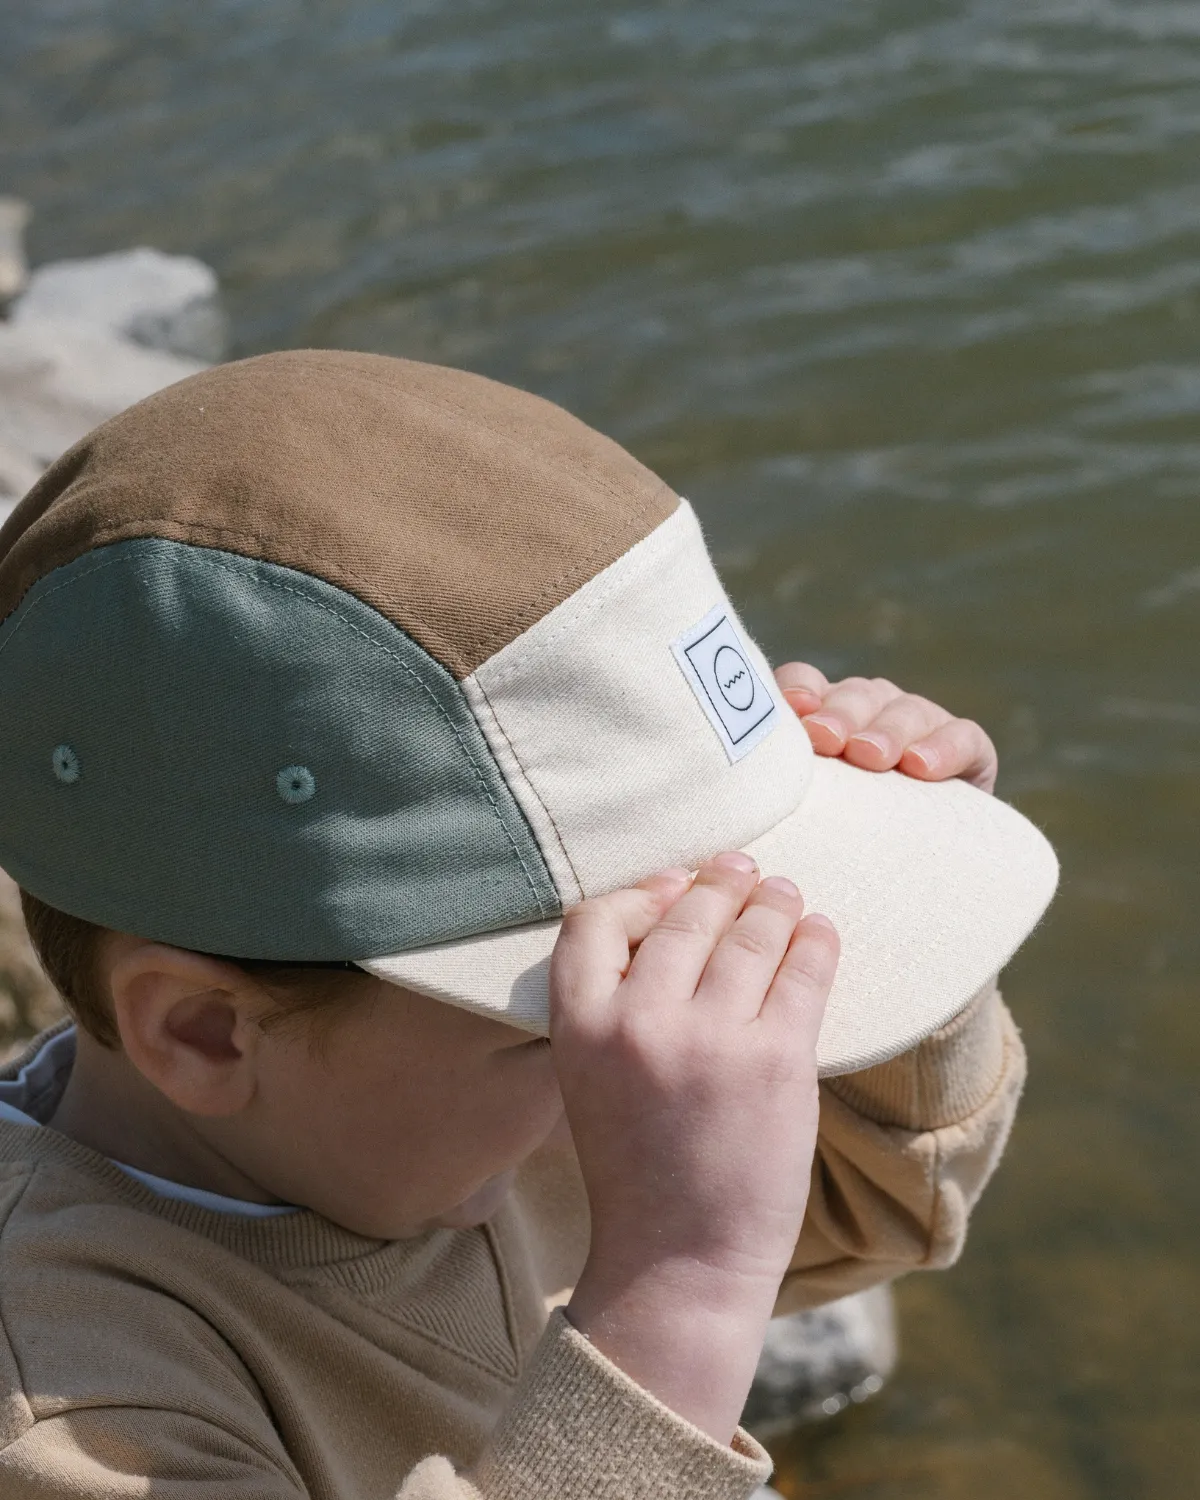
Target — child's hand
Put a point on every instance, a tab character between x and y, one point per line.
872	724
684	1020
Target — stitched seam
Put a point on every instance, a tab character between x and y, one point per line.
439	404
421	1331
215	565
504	632
115	562
131	532
597	597
506	1292
502	1371
529	783
579	570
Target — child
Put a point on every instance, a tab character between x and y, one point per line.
330	683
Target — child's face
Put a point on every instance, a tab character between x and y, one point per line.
411	1113
399	1114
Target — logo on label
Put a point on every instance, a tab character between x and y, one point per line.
716	662
733	678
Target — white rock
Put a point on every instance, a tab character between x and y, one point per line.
814	1364
164	302
58	381
14	273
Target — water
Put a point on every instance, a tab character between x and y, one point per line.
906	298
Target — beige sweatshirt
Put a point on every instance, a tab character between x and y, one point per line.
154	1349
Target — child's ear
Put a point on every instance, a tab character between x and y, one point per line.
189	1024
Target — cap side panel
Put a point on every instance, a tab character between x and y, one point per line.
632	771
226	755
460	509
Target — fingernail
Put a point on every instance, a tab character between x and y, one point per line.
781	884
927	757
826	723
816	919
877	740
734	859
675	873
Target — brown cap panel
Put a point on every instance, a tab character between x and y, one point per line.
461	509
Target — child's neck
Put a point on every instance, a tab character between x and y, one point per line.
108	1106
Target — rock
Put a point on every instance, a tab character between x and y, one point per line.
164	302
58	381
14	215
814	1364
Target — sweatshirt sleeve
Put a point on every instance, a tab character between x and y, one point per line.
904	1151
577	1429
580	1429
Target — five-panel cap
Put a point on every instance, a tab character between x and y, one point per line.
333	656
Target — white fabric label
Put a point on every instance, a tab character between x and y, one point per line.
716	663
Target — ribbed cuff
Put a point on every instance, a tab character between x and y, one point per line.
943	1080
580	1429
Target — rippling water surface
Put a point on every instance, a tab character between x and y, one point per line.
906	298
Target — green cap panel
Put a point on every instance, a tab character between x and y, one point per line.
231	755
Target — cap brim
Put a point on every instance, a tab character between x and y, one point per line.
931	886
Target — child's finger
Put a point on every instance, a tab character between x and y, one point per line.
744	962
591	956
900	723
803	686
960	748
673	955
848	707
803	980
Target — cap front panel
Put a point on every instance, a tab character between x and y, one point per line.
228	755
635	756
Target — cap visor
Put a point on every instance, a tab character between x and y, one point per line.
931	886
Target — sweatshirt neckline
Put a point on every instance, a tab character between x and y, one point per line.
294	1240
302	1238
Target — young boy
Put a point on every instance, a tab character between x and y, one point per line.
330	683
